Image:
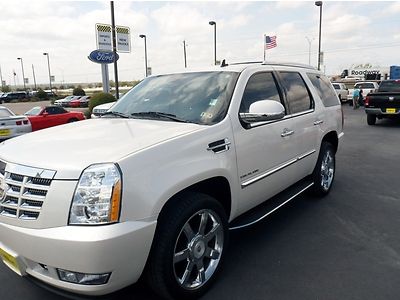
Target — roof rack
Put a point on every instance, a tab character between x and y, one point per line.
288	64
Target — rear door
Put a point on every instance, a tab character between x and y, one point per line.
305	121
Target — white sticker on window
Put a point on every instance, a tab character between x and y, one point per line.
213	102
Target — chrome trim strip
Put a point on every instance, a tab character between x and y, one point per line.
302	113
270	212
30	171
341	135
270	172
306	154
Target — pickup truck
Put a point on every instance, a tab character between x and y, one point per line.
385	103
153	187
366	87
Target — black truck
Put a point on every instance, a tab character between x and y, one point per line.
384	103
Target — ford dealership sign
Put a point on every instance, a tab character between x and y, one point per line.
102	57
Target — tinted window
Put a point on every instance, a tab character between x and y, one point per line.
390	86
364	86
198	97
336	86
297	93
54	110
324	89
261	86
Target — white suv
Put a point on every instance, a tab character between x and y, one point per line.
154	186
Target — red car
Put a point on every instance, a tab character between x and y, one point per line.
48	116
80	102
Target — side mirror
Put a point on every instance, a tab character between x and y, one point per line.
264	110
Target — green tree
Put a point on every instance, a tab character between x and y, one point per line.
100	98
5	89
41	94
78	91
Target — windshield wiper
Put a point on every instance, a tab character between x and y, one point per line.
115	113
159	115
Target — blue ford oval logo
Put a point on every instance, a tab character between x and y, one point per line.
103	57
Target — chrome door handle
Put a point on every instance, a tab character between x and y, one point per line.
318	122
287	132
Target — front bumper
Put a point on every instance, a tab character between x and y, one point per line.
120	249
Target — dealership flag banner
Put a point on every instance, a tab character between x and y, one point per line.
269	42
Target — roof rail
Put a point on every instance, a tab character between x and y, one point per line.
288	64
246	63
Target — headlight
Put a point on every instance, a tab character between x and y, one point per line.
97	197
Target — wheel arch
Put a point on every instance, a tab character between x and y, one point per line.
217	187
332	138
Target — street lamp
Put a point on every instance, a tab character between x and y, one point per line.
23	75
319	3
213	23
143	36
309	49
48	66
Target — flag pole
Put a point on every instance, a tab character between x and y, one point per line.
264	46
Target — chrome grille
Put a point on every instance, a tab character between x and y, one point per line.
24	194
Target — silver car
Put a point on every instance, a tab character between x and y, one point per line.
12	125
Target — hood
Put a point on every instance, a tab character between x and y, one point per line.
104	106
68	149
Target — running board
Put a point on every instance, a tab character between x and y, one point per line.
266	208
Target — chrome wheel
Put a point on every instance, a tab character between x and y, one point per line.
327	170
198	249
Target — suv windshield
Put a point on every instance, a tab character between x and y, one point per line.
200	97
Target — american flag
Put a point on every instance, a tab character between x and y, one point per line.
270	42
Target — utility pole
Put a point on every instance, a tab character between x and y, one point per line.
23	74
184	52
309	49
34	77
1	78
319	3
114	45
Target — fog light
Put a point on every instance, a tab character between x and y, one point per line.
81	278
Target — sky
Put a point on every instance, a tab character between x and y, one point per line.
353	32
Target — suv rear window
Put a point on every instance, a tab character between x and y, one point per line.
324	89
364	86
390	86
298	96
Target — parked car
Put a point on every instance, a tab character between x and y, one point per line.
154	186
384	103
99	110
341	90
60	101
12	125
365	86
80	102
49	116
8	97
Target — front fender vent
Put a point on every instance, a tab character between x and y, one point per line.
219	146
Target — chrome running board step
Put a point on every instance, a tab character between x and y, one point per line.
268	207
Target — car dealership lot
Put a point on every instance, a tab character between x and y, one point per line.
345	246
23	107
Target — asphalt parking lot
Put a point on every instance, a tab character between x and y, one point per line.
23	107
345	246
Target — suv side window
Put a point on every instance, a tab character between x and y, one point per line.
323	87
297	93
260	86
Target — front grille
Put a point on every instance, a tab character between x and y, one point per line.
24	195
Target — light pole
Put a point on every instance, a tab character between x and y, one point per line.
319	3
34	77
309	49
23	75
213	23
114	47
48	66
184	52
143	36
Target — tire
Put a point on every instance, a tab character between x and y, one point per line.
371	119
324	171
185	257
72	120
